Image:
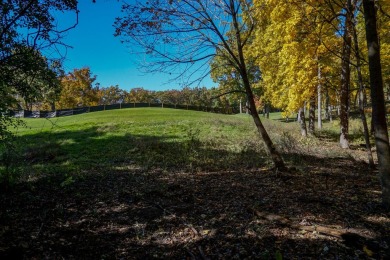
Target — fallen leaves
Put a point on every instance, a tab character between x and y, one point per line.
236	214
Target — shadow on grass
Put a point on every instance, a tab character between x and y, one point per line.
333	136
285	120
97	149
140	197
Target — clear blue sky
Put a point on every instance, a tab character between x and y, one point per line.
95	46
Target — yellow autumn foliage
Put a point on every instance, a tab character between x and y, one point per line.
290	45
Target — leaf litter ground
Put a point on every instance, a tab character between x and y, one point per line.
329	210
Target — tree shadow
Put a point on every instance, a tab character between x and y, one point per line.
285	120
333	136
154	197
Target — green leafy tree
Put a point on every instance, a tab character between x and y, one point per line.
32	78
26	28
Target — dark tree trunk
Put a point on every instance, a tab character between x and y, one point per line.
372	127
267	110
312	114
377	98
275	155
345	77
319	99
327	106
302	122
361	100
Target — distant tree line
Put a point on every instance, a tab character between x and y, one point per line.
78	89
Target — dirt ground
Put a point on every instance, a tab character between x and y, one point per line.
328	210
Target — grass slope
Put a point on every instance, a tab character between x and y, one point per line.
144	138
163	183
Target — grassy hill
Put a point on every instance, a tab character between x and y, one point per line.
154	137
165	183
147	137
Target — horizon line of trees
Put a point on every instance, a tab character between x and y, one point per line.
78	89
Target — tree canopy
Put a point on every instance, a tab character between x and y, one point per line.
27	28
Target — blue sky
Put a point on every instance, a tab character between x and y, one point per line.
95	46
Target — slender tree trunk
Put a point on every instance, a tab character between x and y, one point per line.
302	122
299	115
361	99
327	105
319	99
377	98
345	78
365	127
372	125
312	114
267	110
275	155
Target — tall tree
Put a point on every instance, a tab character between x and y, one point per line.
139	95
345	74
77	89
195	31
111	95
27	27
361	92
377	98
32	77
292	47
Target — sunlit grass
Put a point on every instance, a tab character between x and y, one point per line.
155	138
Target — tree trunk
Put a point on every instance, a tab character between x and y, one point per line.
267	110
372	125
345	77
361	99
276	157
312	114
302	122
327	106
319	100
377	98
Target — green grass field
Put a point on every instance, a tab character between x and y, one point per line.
166	139
146	138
